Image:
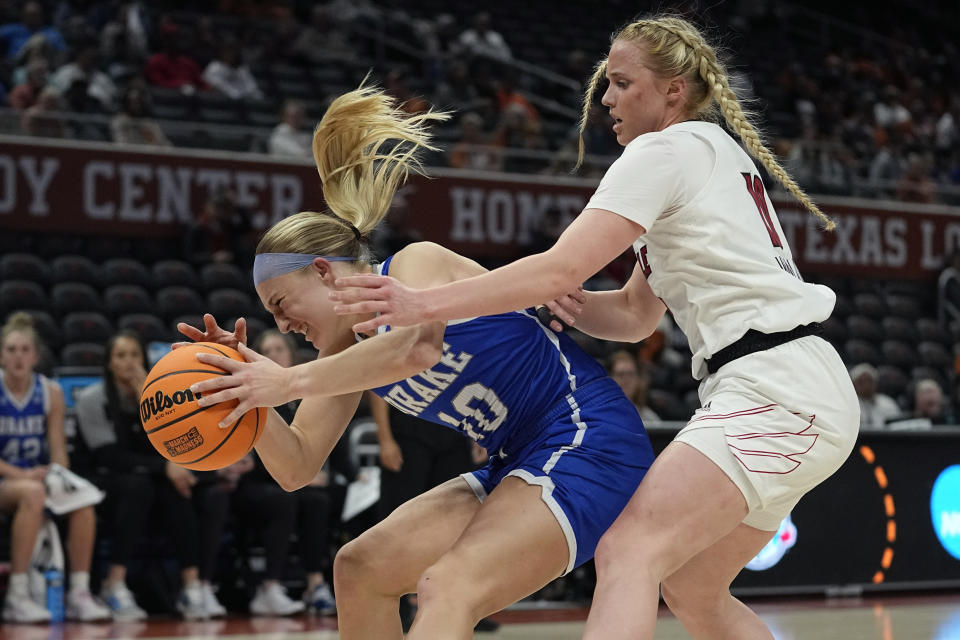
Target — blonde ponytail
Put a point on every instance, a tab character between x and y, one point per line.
677	48
364	148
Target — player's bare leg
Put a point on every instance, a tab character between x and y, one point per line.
25	498
371	572
81	533
699	592
684	505
511	548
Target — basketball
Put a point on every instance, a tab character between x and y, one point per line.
179	429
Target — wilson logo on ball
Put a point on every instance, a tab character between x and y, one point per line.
184	443
160	402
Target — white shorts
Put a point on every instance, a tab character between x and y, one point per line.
778	423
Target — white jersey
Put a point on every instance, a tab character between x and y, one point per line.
713	250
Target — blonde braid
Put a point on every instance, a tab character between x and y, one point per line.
714	75
598	73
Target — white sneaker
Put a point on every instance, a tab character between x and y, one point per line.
83	607
122	605
272	600
190	603
320	599
210	602
21	608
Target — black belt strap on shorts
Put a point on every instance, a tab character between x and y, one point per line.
753	341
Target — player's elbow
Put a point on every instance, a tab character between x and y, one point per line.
648	321
291	480
422	355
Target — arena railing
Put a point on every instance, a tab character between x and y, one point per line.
542	74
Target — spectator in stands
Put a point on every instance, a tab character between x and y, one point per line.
263	505
508	96
26	94
520	131
456	90
362	12
889	112
322	40
31	437
139	482
635	381
84	67
171	67
915	184
929	403
875	408
220	233
473	150
947	133
288	138
885	168
228	75
133	125
124	37
948	291
481	40
43	118
15	35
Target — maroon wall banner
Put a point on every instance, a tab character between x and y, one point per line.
105	189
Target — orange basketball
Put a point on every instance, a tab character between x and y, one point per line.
185	433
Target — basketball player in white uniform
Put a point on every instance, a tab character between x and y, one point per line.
779	413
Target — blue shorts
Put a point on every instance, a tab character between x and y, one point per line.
588	455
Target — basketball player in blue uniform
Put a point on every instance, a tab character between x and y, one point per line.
566	447
32	436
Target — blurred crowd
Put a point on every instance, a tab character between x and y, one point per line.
849	110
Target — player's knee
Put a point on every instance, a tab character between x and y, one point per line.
350	566
33	495
359	565
615	547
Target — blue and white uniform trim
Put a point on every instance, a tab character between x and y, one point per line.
544	409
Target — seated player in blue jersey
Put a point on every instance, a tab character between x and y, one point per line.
31	437
567	448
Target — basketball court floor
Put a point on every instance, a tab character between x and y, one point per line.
912	617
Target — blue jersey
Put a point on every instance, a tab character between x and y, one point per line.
23	424
498	378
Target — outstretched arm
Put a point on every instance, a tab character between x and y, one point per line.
595	238
377	361
628	314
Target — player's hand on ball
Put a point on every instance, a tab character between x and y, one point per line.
397	304
213	333
258	382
